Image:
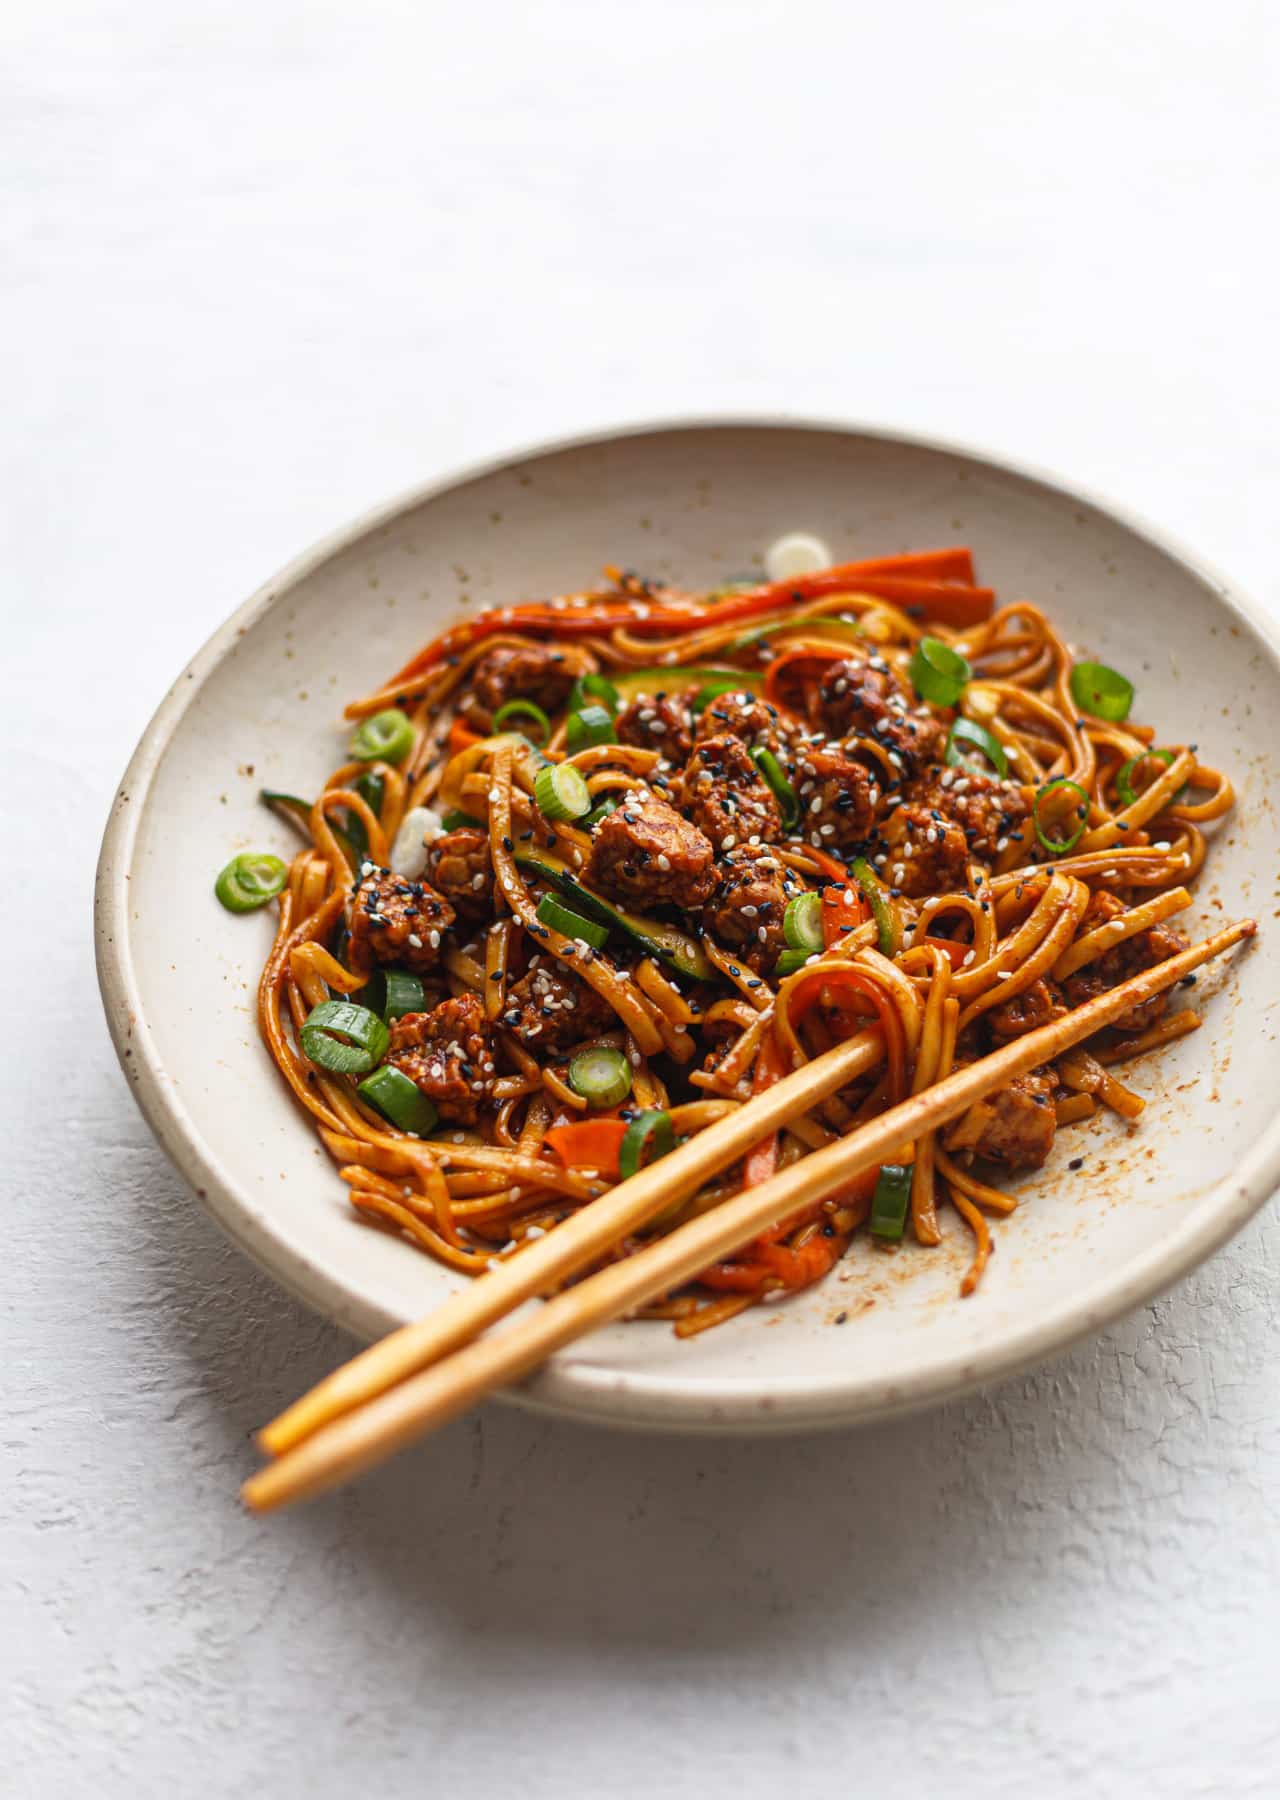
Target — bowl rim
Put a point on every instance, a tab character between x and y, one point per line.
586	1391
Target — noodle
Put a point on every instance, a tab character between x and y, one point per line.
747	833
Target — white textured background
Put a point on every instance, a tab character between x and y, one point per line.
266	264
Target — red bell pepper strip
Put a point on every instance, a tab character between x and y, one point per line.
952	564
831	866
461	737
949	602
843	910
949	947
589	1144
936	583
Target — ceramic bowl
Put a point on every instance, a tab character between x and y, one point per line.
259	706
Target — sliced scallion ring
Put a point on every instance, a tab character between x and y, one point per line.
386	737
515	711
393	993
802	923
400	1100
1104	692
969	731
250	880
570	924
601	1074
873	892
588	688
647	1137
1061	846
560	792
1124	780
783	792
938	673
344	1038
589	725
890	1201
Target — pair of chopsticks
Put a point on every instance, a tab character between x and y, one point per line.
427	1373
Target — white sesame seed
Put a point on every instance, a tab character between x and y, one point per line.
415	940
1164	844
1002	843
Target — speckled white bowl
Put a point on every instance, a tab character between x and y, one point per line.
259	706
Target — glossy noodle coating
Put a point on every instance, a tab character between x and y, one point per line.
778	816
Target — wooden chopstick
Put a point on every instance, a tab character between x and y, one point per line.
542	1266
358	1441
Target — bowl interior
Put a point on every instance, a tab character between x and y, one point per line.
260	707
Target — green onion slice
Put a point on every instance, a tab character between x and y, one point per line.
250	880
400	1100
890	1201
969	731
938	673
393	993
792	959
1124	780
523	709
560	792
1060	846
873	892
454	820
570	924
594	687
589	725
1104	692
802	923
386	737
602	1075
647	1137
601	810
784	793
344	1038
